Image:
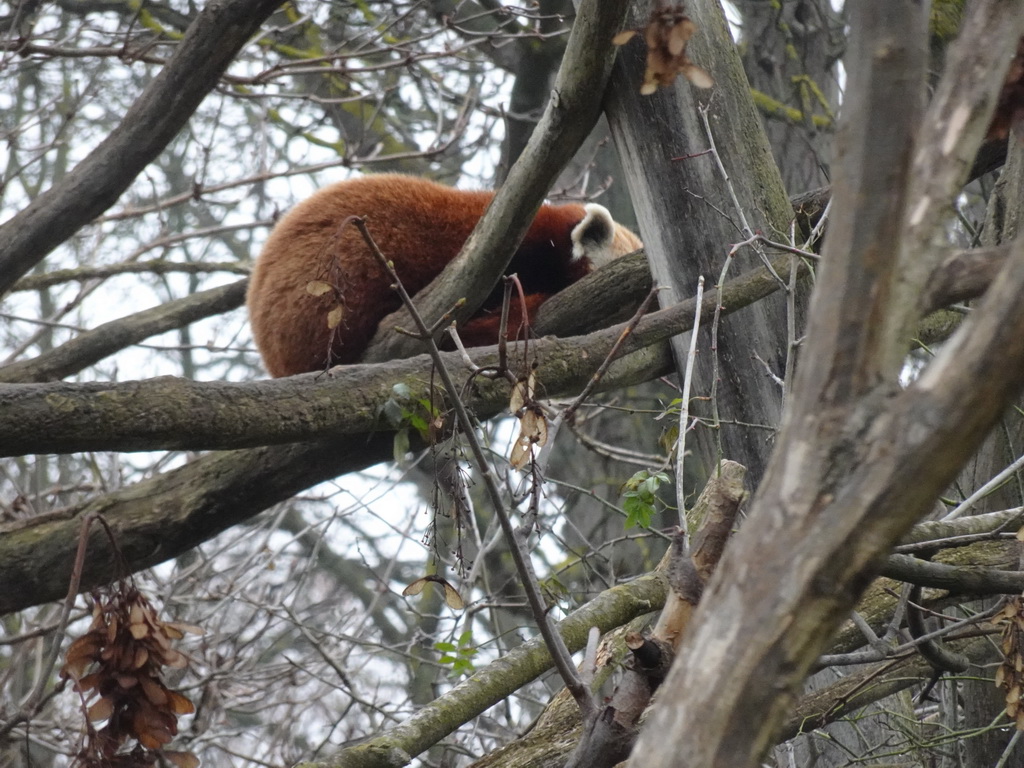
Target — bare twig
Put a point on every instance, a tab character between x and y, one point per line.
559	652
684	410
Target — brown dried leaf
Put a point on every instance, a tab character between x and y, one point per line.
334	317
318	288
667	34
699	77
139	631
679	35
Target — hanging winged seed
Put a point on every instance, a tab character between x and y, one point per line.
175	659
181	759
125	650
127	682
187	629
318	288
155	692
1010	675
179	704
334	317
102	709
667	33
87	683
82	653
141	657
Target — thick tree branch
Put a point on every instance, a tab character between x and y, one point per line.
689	213
857	461
182	414
956	579
169	413
208	48
161	517
490	685
571	114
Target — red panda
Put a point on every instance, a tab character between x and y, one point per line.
420	226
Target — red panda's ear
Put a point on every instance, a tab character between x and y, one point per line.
593	236
599	239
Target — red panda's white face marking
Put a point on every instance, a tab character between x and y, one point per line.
599	239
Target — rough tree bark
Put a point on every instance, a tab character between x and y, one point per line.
688	221
858	460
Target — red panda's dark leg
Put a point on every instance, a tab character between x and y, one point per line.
482	330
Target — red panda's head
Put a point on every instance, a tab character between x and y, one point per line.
600	239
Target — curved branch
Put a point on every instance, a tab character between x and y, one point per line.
183	414
92	346
958	579
163	516
571	113
208	48
612	608
169	413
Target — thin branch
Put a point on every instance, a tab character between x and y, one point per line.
531	586
571	113
209	46
684	415
92	346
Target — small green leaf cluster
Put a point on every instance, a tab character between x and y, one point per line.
640	497
458	656
407	413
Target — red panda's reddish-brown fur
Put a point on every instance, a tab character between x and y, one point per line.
420	226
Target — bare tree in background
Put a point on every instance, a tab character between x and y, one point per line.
149	149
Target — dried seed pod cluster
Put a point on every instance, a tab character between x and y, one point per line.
666	35
1010	675
117	667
